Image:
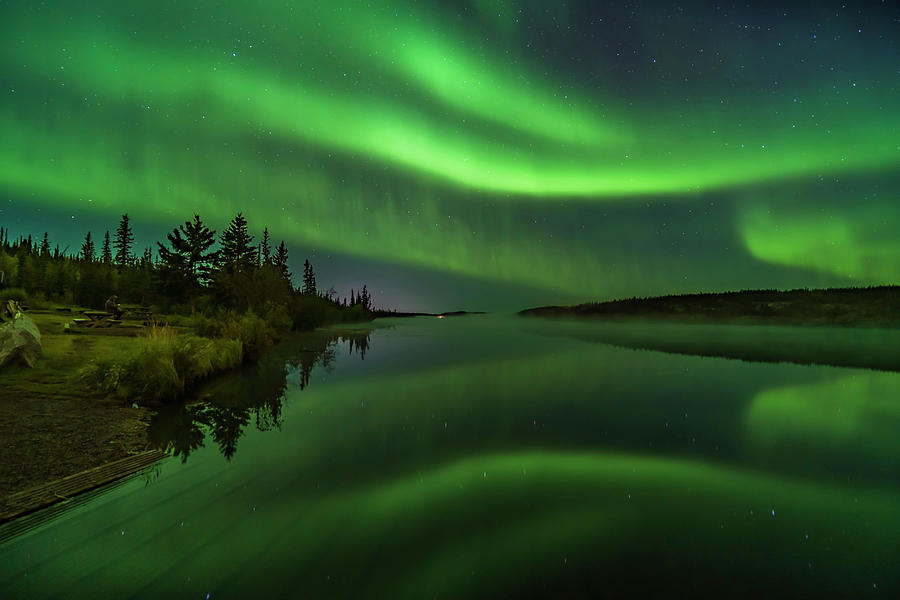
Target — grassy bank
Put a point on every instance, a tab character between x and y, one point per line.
50	425
85	402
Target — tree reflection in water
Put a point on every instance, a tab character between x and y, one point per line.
253	394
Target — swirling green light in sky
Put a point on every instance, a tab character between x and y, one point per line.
861	244
701	147
163	110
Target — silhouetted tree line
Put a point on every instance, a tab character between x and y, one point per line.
194	270
871	306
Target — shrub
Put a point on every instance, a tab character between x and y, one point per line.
205	326
161	365
278	320
17	294
252	331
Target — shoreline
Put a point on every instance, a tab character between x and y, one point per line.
22	503
89	432
872	307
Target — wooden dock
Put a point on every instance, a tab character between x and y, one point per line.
27	501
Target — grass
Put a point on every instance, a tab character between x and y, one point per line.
55	372
161	365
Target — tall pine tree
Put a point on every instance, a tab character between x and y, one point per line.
106	252
264	249
87	248
124	241
280	260
237	252
187	266
190	253
309	278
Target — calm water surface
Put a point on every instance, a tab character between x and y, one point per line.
492	457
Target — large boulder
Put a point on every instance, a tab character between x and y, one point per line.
20	341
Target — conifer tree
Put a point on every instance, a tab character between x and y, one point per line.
45	245
87	248
190	254
124	241
280	260
106	253
264	249
365	299
237	251
309	278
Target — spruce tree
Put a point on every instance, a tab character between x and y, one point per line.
87	248
45	245
124	241
190	254
106	253
365	299
309	278
280	260
237	251
264	249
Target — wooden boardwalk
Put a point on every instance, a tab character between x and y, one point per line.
32	499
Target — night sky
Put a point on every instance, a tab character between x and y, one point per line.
489	154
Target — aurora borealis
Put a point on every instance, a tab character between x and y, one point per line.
481	154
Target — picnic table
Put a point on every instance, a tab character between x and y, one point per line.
97	318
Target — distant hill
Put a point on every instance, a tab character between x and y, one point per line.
852	307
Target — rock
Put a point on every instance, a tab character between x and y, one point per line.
10	310
20	342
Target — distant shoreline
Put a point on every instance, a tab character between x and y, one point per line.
842	307
386	314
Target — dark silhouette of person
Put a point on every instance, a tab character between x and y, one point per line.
112	306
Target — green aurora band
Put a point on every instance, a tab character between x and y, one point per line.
394	134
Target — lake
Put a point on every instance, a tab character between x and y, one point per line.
492	456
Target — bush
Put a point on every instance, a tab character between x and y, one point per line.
161	365
251	331
278	320
17	294
205	326
38	300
